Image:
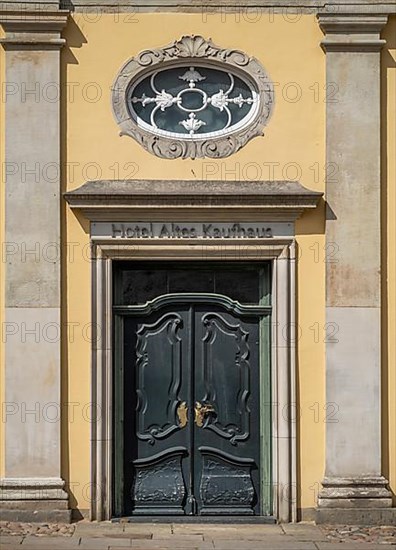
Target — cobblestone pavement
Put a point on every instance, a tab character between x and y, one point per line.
157	536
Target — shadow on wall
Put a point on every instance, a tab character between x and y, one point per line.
74	39
388	64
313	222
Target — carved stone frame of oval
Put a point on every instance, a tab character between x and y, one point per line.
189	50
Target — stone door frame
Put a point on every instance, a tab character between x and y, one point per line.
281	253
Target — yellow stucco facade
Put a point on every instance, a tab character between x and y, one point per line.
293	148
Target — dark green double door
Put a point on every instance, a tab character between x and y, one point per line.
191	429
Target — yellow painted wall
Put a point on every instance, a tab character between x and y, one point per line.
294	142
91	148
389	254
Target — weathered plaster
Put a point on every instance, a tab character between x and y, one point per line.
353	345
353	370
32	275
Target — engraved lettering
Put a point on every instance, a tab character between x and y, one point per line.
174	230
117	231
164	231
206	229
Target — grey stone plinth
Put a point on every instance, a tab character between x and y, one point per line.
35	511
29	489
30	499
356	516
359	492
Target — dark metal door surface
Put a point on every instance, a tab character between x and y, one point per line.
226	430
191	408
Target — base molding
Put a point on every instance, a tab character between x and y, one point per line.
356	516
306	514
355	492
34	500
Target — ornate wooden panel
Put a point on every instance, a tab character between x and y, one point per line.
159	485
225	365
191	442
156	392
159	368
226	381
226	484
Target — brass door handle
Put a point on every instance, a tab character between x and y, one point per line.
201	412
182	414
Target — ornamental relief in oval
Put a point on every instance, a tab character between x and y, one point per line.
192	99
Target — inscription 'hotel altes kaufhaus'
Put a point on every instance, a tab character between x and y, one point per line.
244	328
190	231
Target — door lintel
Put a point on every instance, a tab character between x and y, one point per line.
123	200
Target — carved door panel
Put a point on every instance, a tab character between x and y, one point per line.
226	439
191	416
157	389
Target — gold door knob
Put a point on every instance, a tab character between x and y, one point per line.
182	414
201	412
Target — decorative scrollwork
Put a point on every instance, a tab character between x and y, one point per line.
226	482
215	323
206	102
158	481
168	324
195	140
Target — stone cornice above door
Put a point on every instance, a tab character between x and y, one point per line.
119	200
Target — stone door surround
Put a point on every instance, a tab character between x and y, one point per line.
110	205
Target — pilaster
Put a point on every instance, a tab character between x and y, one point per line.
353	477
32	488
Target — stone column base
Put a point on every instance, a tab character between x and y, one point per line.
355	500
34	499
356	516
355	492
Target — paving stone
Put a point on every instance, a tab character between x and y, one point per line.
252	540
10	539
52	546
102	529
119	535
228	531
269	543
302	532
172	543
353	546
160	536
49	542
100	543
157	548
242	535
197	538
148	528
